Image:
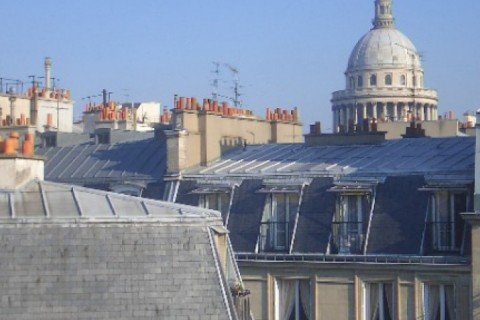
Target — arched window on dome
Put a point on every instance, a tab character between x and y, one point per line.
414	81
351	82
403	80
373	80
388	80
360	81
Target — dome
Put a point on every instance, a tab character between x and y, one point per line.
383	48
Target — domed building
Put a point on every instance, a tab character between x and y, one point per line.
384	79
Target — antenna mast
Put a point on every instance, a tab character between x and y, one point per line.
236	89
216	71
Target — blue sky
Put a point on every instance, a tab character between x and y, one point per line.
288	53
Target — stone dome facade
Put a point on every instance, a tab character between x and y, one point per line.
384	80
381	48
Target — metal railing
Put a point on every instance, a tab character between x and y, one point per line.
348	237
364	259
443	237
274	236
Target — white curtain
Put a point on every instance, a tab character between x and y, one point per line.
433	299
286	291
304	288
450	302
373	300
388	289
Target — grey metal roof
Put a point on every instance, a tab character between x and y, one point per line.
129	160
41	199
426	156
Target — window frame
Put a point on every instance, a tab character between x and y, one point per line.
348	229
381	294
221	202
297	300
444	220
443	301
388	79
276	227
372	81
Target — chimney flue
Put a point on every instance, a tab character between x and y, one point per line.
48	73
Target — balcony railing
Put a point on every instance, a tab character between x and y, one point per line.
443	237
348	237
274	236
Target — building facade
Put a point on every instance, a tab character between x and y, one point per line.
69	252
43	107
384	79
359	231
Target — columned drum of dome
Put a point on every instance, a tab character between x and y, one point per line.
384	79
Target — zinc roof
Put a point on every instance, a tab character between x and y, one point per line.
434	156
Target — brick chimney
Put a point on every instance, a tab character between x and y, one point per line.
18	164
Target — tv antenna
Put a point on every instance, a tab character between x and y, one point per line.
236	88
216	71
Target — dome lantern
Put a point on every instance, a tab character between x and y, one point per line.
383	14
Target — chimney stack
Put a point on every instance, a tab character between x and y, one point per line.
48	73
17	169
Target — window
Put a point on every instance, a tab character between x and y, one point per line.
103	138
379	302
438	302
388	80
215	201
373	80
352	82
414	81
292	299
50	141
279	210
350	221
360	81
446	225
403	80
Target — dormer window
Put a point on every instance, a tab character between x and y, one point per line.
350	219
445	229
350	223
278	216
215	197
215	201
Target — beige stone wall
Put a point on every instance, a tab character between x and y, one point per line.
476	270
63	109
434	129
206	136
338	291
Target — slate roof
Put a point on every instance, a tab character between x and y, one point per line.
396	169
47	217
453	155
88	163
399	216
